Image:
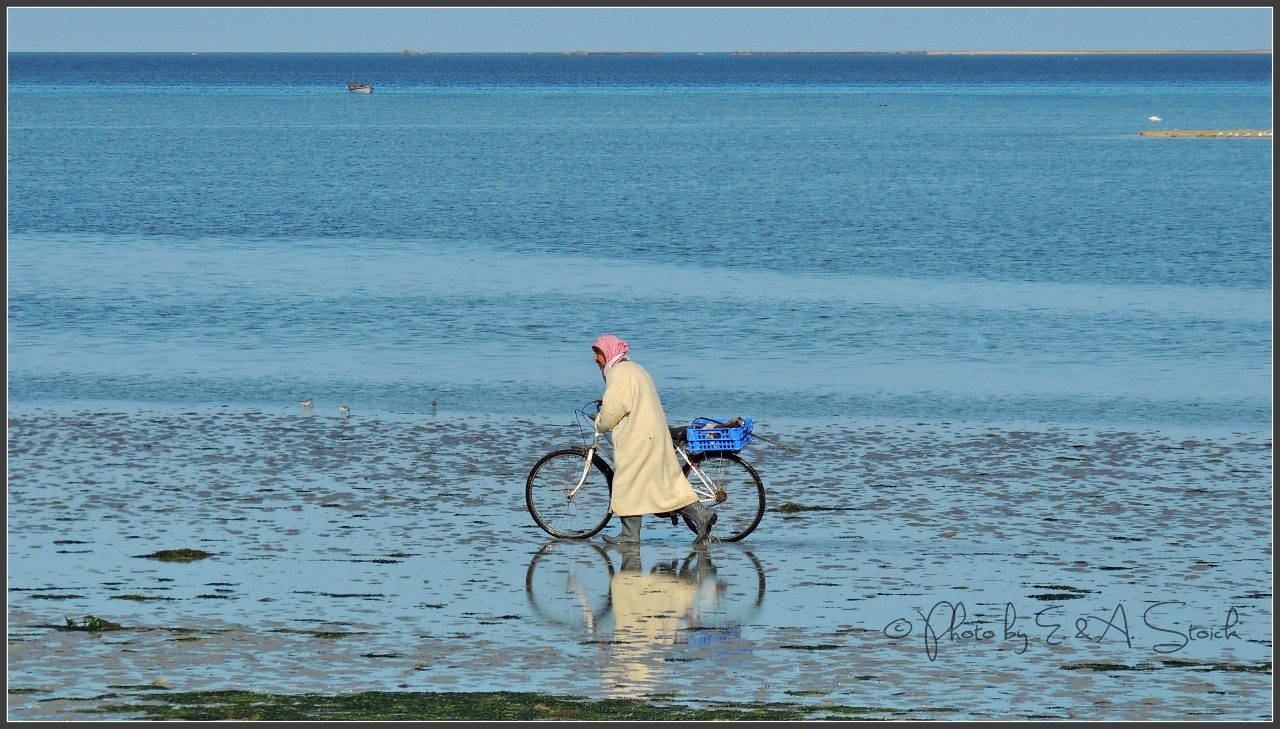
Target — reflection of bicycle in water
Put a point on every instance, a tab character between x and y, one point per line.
568	492
577	585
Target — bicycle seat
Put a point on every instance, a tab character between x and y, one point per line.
679	434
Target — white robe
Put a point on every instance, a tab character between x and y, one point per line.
647	478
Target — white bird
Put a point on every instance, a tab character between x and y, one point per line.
1154	118
306	403
344	409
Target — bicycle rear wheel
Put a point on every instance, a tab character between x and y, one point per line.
739	500
548	488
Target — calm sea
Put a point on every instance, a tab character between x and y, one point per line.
934	237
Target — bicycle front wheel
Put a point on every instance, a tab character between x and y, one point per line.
734	492
556	501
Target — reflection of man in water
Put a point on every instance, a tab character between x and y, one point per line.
648	608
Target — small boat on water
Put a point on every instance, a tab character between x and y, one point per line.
356	88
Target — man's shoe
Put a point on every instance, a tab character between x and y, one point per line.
630	533
703	519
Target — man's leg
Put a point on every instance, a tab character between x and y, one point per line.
703	519
630	533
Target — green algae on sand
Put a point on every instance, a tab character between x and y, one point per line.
178	555
790	508
141	598
91	624
477	706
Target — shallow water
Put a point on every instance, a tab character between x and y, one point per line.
408	533
393	325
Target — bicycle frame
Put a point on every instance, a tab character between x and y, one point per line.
586	464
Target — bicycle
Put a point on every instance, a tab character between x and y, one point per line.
568	491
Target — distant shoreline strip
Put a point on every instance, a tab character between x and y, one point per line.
1215	133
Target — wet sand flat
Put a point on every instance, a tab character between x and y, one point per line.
955	570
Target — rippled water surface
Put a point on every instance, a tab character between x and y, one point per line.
1025	354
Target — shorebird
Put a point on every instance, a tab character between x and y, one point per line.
344	409
1154	118
306	403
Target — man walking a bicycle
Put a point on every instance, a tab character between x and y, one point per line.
647	477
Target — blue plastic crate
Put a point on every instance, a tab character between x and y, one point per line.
717	438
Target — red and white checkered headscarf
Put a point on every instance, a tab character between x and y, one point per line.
613	349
